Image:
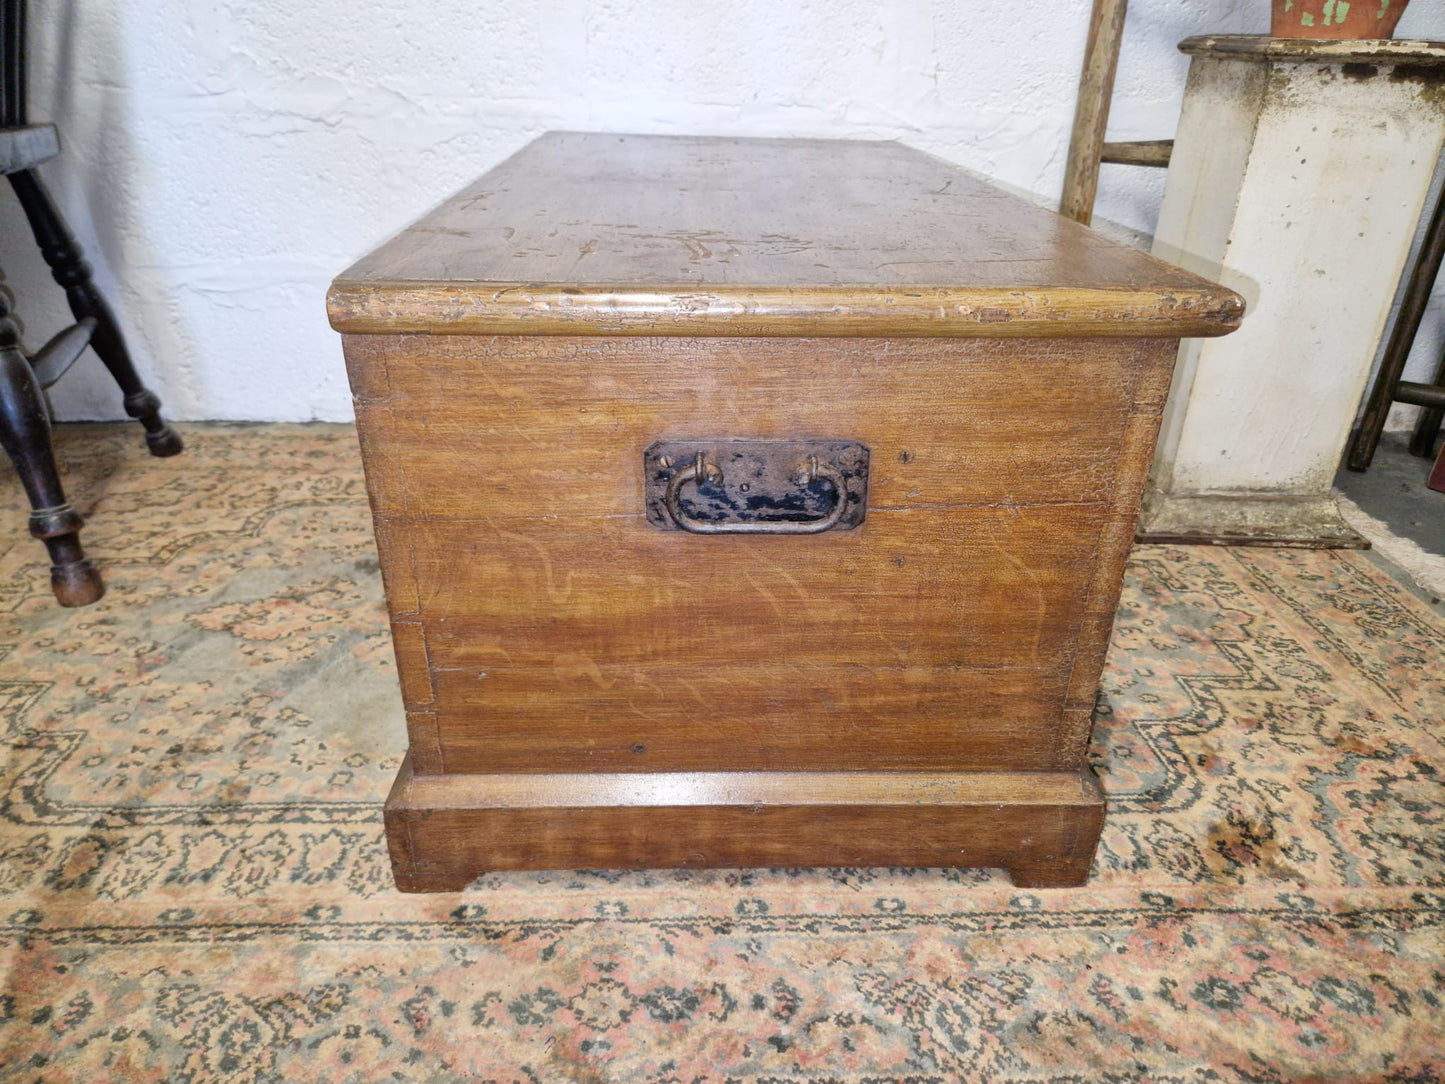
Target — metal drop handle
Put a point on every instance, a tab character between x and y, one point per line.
700	471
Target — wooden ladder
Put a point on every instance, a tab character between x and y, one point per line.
1087	147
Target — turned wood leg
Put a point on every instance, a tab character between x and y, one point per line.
25	435
71	271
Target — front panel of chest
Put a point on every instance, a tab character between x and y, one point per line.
569	594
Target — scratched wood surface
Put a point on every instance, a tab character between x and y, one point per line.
583	233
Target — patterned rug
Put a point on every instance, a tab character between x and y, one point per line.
193	884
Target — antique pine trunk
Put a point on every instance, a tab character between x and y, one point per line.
753	503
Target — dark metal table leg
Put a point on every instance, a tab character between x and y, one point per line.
25	435
71	271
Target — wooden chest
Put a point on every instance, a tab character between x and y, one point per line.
753	503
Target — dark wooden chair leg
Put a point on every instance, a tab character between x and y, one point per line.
1421	280
1427	426
25	435
64	257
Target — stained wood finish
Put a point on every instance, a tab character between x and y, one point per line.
445	830
543	625
914	643
585	233
773	716
585	689
463	427
544	628
928	585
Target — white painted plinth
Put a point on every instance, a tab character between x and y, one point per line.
1298	176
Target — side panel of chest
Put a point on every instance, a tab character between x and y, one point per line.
543	625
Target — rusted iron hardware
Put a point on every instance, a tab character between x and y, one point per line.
756	486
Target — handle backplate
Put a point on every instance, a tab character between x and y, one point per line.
756	486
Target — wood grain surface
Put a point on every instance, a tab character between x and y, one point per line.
588	233
463	427
975	586
777	716
545	626
444	830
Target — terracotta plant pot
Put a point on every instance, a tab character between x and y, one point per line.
1335	18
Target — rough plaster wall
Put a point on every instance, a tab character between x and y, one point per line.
225	158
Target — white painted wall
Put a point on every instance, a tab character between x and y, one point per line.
225	158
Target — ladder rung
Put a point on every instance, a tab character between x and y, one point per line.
1425	395
1144	152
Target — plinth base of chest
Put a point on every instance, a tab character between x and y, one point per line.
445	830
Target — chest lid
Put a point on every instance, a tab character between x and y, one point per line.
601	234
